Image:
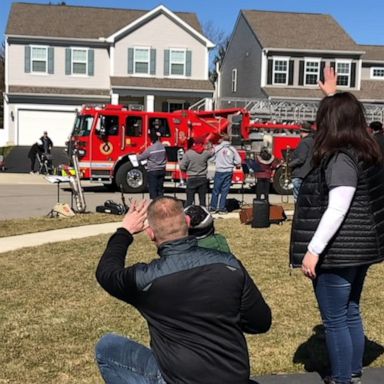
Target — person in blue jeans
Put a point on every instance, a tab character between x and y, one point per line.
226	158
338	226
198	303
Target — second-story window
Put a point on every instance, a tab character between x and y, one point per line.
177	62
343	70
312	71
79	61
234	80
377	73
280	71
39	59
141	60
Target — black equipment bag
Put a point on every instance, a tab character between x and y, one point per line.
232	205
260	214
112	208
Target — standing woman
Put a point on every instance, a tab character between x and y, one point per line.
338	228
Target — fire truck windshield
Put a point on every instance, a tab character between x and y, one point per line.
83	125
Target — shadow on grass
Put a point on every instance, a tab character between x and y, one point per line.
313	353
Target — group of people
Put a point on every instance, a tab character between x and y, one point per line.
41	151
199	300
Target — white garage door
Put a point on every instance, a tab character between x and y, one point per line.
32	124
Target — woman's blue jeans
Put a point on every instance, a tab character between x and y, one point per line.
123	361
338	294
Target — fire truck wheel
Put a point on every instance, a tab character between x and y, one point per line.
281	184
132	179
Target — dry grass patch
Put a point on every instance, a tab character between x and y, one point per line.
52	310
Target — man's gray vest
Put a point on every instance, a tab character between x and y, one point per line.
360	238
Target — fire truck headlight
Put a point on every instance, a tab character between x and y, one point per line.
81	152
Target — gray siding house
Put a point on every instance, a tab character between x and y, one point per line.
280	56
60	57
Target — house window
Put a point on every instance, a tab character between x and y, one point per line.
177	62
79	61
141	60
280	71
312	72
234	80
377	73
39	59
343	70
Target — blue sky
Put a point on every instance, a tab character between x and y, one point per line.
362	19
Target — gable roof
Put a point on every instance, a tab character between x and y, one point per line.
373	52
301	31
63	21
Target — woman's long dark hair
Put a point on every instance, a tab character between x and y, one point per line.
341	124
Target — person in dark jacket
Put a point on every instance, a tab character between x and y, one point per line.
378	134
156	158
301	158
36	149
197	302
201	225
195	163
265	164
338	226
47	143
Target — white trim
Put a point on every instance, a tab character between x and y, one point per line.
328	51
6	79
280	58
112	60
344	61
372	69
206	64
359	66
234	80
264	68
173	16
316	60
32	46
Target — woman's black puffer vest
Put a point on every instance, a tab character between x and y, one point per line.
360	238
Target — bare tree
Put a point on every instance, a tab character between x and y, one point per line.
216	55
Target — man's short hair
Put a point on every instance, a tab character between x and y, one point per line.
376	126
167	219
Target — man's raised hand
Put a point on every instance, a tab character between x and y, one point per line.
135	220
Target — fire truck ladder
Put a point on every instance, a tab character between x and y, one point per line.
293	111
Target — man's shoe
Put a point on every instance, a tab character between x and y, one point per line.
32	173
212	210
222	212
356	379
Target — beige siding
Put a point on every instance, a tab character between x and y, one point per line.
17	75
161	33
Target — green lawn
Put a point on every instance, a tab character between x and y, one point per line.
52	310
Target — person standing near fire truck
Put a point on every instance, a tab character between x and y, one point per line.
301	163
226	158
156	160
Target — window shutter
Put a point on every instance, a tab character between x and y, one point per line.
91	62
353	75
152	70
290	74
301	72
164	106
322	66
27	59
333	65
188	63
51	60
166	62
270	71
68	59
130	60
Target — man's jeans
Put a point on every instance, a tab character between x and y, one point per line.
156	183
197	185
296	181
123	361
338	294
221	185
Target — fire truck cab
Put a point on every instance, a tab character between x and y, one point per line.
106	138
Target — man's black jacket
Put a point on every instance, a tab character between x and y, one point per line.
197	302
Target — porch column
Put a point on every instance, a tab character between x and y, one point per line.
208	104
149	103
115	98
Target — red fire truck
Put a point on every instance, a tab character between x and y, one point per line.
106	138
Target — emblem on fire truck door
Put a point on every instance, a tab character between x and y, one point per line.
106	148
